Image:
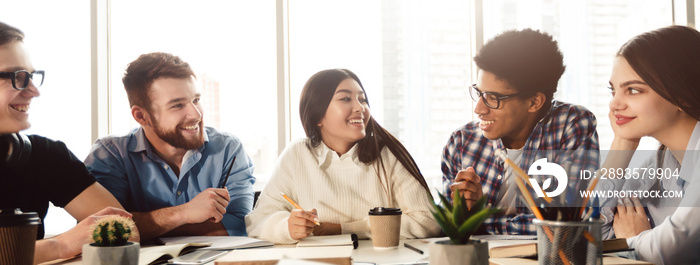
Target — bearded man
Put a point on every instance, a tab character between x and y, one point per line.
172	173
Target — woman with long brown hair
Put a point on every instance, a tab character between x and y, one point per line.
655	85
345	166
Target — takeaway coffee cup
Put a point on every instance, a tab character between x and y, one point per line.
17	236
385	225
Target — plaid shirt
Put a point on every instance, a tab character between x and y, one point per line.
570	130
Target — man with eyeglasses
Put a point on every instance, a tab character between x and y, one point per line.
35	170
21	78
517	78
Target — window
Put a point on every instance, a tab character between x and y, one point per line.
589	34
62	49
59	43
413	58
231	47
696	11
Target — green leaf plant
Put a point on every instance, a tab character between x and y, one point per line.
112	230
457	220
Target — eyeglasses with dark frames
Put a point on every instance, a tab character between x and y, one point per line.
20	79
491	100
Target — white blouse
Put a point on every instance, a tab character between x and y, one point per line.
675	239
342	189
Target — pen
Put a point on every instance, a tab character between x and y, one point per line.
294	204
223	185
413	248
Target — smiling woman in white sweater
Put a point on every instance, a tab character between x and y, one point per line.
345	166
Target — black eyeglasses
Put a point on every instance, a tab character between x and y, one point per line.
491	100
20	79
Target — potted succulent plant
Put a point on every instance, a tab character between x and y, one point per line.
459	222
111	242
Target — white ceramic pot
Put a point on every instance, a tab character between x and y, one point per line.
475	252
120	255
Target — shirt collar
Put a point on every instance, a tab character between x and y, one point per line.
325	155
548	115
692	153
694	142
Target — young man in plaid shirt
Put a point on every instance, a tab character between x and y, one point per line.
519	72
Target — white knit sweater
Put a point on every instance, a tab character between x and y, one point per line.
342	189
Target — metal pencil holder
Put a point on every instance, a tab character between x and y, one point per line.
569	243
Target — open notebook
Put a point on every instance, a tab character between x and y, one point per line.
161	254
218	242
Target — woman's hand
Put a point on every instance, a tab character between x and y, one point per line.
71	242
630	219
301	223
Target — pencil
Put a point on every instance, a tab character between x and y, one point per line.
294	204
521	173
528	199
223	185
520	182
590	189
413	248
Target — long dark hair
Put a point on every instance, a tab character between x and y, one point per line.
668	60
315	98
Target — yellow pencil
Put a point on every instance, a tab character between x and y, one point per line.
589	190
294	204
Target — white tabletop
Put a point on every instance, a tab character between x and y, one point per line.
365	252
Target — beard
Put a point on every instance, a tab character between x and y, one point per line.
176	139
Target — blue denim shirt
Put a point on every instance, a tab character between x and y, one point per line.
143	182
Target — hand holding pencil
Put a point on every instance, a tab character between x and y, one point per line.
301	223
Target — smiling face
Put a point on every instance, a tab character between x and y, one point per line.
14	115
637	108
514	119
175	115
346	117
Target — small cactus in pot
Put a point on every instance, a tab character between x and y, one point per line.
111	235
113	230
